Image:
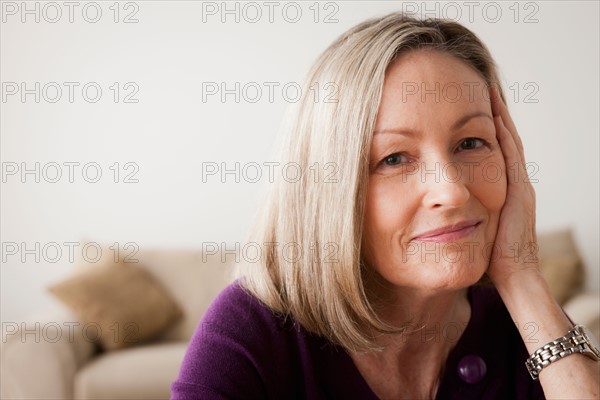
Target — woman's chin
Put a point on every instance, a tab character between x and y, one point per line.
440	275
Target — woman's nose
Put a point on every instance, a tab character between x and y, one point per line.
443	185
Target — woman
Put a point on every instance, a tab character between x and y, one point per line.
413	193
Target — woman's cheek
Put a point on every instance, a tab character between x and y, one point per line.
387	211
383	205
491	183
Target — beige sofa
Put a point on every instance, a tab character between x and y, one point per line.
72	369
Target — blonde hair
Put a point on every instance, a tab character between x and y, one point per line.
322	284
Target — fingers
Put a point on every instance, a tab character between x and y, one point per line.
507	144
494	95
499	109
513	156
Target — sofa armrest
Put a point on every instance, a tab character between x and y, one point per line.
41	356
584	309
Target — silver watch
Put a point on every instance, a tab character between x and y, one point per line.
577	340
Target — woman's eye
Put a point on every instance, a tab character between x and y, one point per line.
471	143
394	159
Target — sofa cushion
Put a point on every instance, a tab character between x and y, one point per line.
142	372
584	309
192	278
120	303
560	263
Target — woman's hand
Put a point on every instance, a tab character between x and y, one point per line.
515	249
514	270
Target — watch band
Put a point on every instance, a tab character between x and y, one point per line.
572	342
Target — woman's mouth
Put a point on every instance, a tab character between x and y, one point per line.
449	233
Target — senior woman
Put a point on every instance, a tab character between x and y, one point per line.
370	284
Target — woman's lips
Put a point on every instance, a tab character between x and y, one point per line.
449	236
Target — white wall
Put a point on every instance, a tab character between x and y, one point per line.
170	131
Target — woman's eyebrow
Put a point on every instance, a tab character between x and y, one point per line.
455	126
463	120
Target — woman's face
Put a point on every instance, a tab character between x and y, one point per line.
434	162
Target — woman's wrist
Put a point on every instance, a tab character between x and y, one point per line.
539	318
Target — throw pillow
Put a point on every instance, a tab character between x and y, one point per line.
121	304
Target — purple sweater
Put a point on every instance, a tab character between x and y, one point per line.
241	350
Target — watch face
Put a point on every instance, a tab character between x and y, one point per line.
591	340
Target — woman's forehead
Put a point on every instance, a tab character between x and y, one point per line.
433	76
423	86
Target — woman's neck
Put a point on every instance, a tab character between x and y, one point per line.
415	359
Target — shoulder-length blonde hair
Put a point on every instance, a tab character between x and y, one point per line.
310	227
